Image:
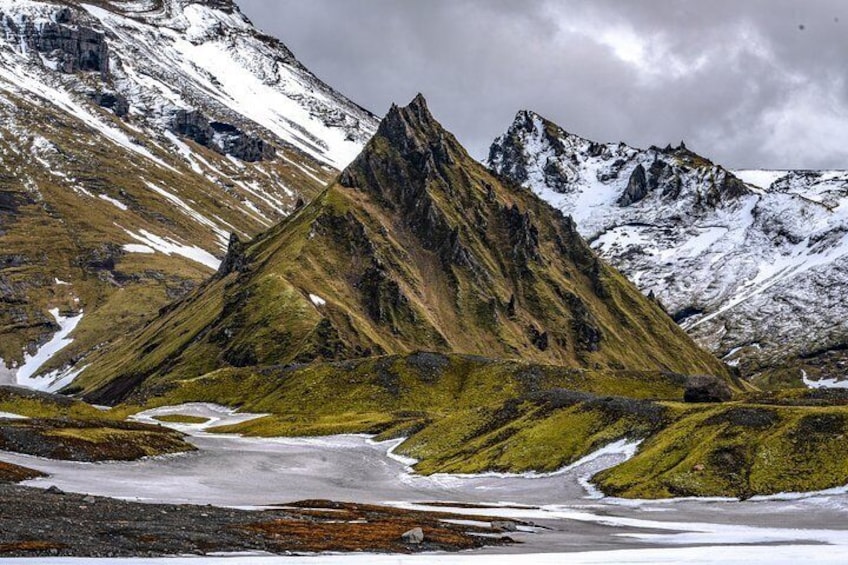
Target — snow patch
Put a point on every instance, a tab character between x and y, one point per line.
137	248
215	414
823	383
170	247
116	203
51	382
760	178
317	300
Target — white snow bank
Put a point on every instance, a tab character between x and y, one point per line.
760	178
215	414
823	383
116	203
317	300
12	416
51	382
138	248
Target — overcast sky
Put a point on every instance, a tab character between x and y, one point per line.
748	83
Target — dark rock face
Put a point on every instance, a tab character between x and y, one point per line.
585	327
523	236
224	138
728	188
706	388
74	48
637	187
230	140
403	184
235	261
510	152
381	294
112	101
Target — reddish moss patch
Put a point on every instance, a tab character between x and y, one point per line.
318	526
14	474
19	547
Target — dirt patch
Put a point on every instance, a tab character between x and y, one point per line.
755	418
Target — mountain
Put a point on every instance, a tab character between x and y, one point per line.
135	136
414	246
754	271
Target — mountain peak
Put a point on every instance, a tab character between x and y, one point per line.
408	127
417	246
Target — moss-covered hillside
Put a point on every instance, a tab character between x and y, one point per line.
468	414
415	246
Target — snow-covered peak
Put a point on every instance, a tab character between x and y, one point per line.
203	57
594	180
753	263
197	19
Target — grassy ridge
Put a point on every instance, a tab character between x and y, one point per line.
62	428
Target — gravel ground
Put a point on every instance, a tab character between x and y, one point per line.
36	522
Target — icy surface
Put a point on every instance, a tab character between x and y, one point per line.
215	414
754	272
27	373
261	473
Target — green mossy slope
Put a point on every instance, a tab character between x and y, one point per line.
415	246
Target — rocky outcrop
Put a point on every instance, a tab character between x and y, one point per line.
224	138
235	261
706	388
193	125
404	184
523	236
637	187
230	140
114	101
71	46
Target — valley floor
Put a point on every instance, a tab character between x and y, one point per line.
254	473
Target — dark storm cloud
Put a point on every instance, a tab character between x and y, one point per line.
749	83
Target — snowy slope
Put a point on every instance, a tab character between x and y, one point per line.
755	270
135	136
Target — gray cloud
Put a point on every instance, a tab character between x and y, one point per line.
738	80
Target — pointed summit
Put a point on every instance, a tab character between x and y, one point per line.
413	129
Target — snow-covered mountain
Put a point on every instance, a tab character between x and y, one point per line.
135	136
754	264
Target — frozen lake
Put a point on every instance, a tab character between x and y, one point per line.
258	472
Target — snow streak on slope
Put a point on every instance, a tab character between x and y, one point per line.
755	271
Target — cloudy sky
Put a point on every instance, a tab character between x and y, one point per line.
748	83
